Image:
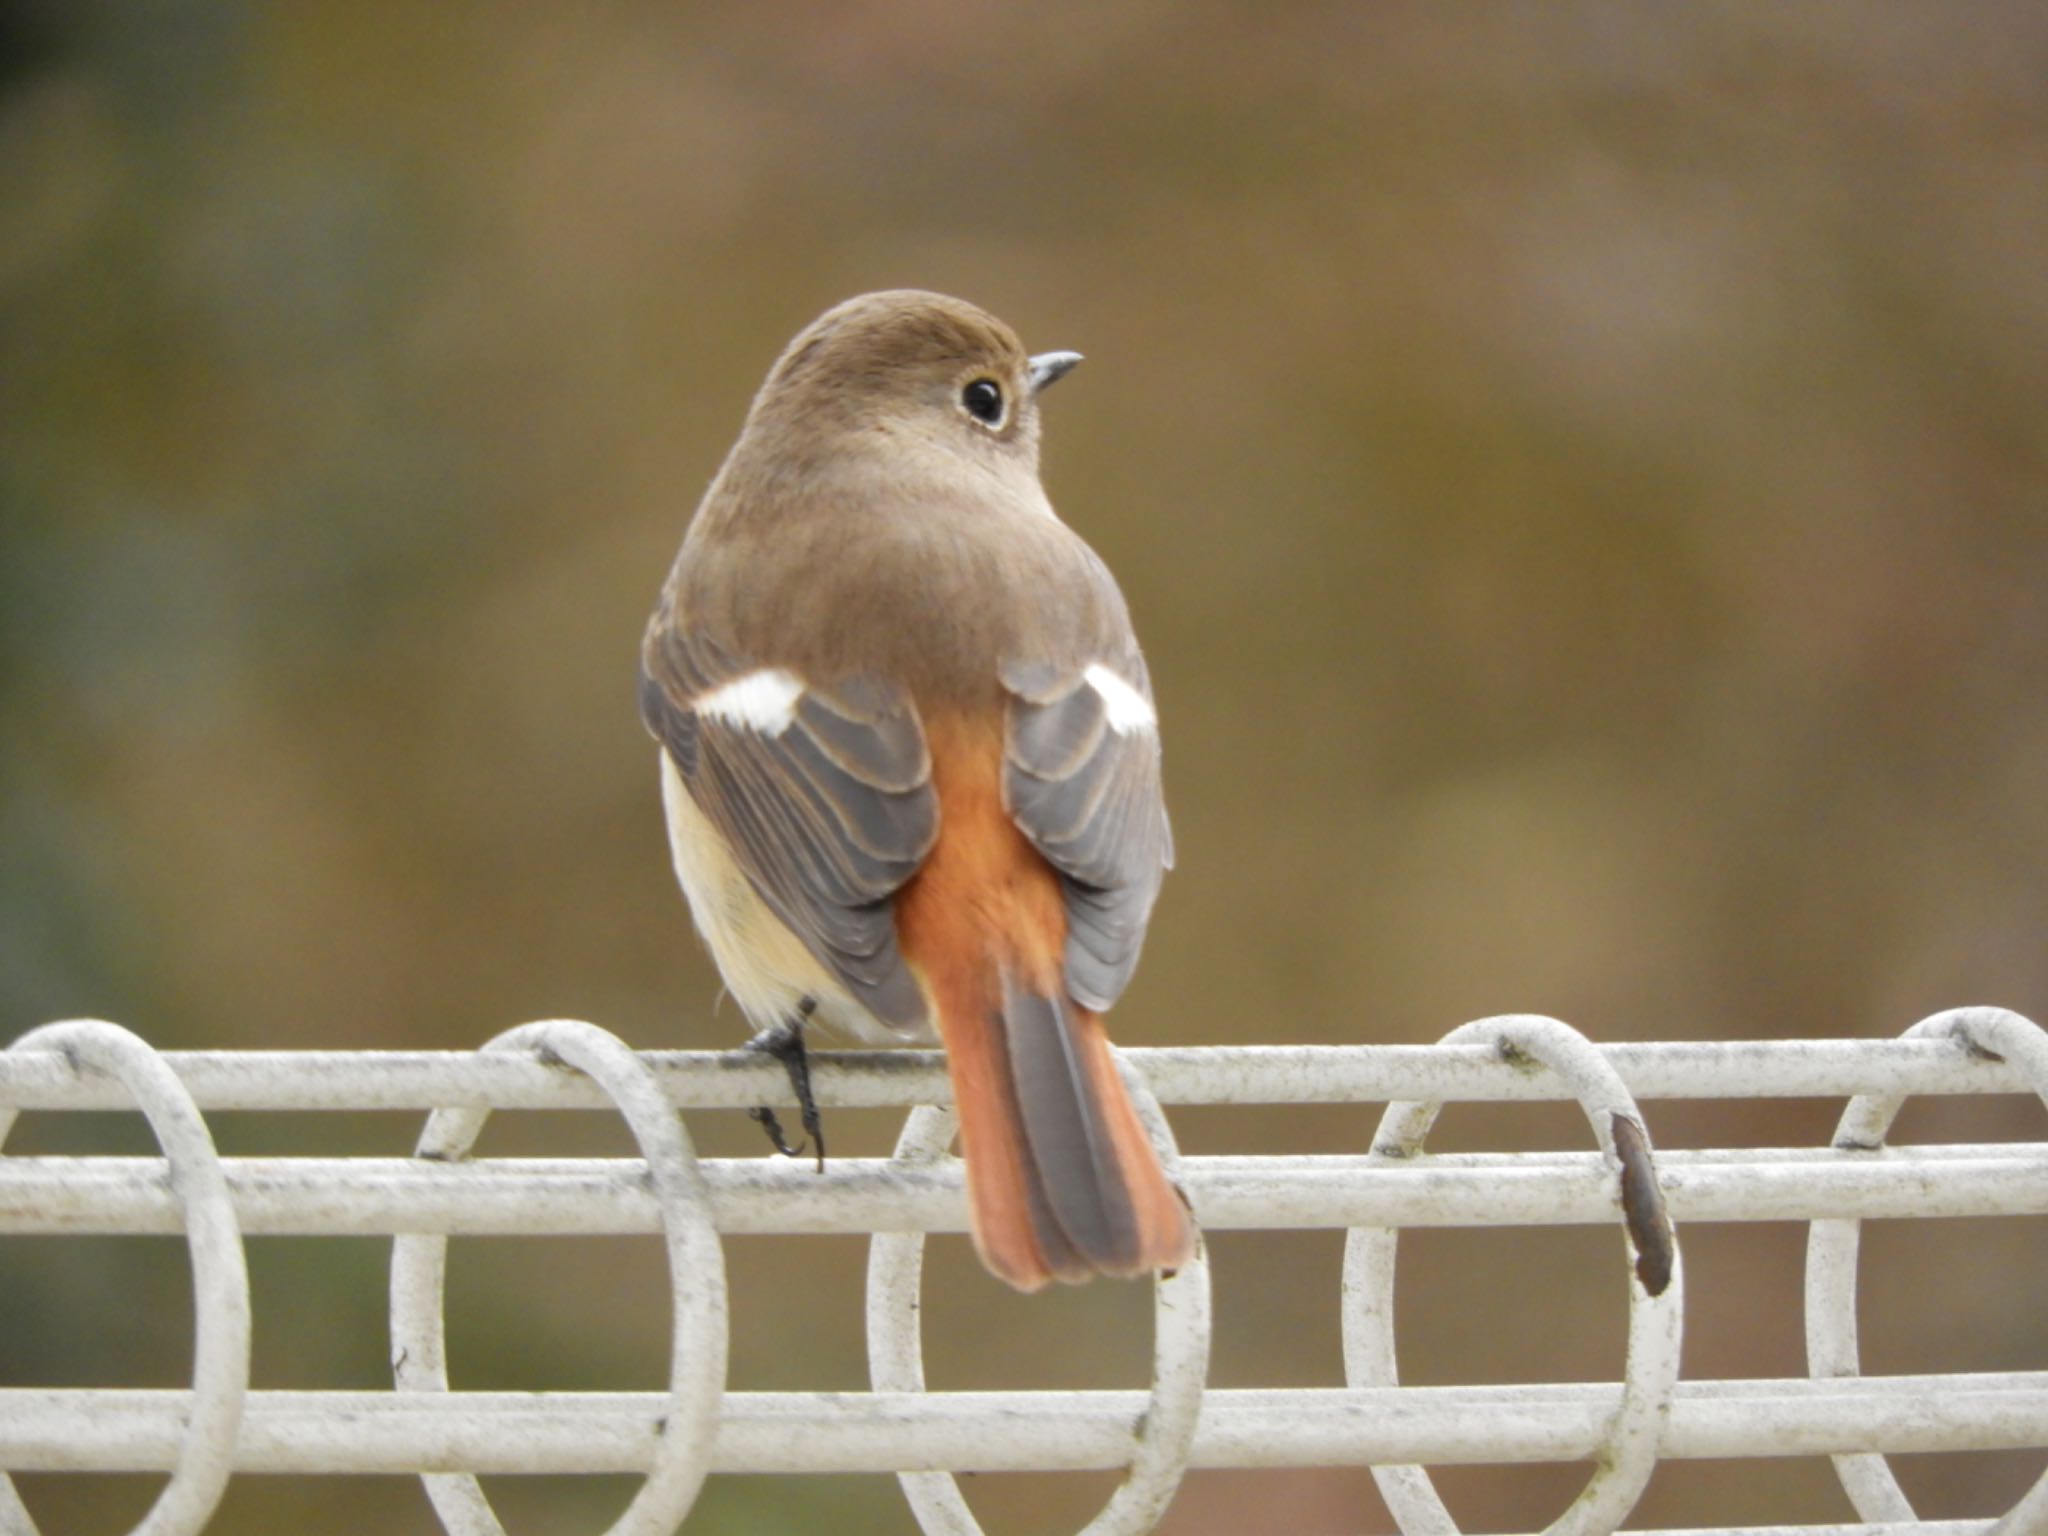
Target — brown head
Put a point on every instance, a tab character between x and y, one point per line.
913	369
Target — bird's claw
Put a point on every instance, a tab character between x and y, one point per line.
786	1044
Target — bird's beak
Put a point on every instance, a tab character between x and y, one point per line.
1050	367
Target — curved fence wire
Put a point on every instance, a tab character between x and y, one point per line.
675	1438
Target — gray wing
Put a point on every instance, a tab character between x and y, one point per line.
1085	789
828	816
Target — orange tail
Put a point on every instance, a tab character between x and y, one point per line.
1062	1182
1094	1198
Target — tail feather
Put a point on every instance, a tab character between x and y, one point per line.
1164	1227
1014	1229
1072	1154
1063	1183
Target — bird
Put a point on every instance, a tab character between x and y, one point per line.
910	764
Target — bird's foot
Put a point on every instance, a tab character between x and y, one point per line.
766	1118
785	1043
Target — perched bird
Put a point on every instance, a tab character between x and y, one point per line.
911	763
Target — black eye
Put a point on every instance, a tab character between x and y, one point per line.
984	401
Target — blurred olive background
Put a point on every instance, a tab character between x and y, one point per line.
1579	470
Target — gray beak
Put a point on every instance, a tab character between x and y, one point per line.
1049	368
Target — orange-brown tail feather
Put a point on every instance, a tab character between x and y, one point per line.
1163	1230
1003	1195
1062	1182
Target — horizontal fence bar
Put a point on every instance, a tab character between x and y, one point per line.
63	1430
592	1196
1291	1074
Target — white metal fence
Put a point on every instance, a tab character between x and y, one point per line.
674	1439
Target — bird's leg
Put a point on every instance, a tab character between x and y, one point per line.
785	1043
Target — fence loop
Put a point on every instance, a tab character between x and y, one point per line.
1833	1348
1655	1281
220	1272
686	1431
1180	1346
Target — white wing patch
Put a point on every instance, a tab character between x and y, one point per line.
763	701
1128	711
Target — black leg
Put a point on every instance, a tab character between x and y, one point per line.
785	1043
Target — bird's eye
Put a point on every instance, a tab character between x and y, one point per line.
983	400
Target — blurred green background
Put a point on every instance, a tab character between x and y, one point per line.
1579	470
